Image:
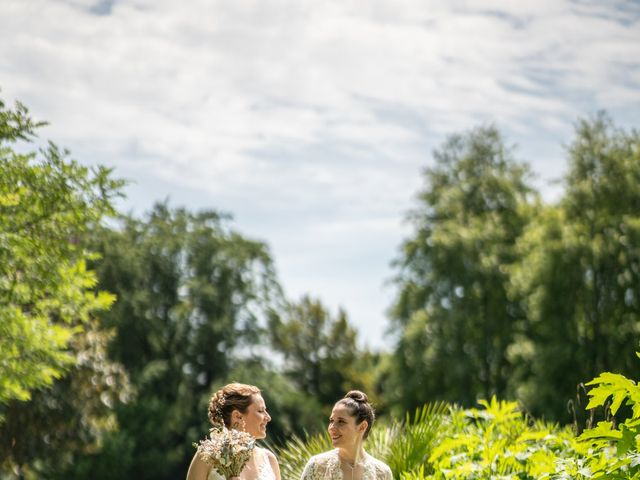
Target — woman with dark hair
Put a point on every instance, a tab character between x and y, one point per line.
351	420
241	407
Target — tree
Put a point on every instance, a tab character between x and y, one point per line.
579	274
55	380
191	293
69	419
47	203
320	352
453	314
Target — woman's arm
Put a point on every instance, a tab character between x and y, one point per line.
198	470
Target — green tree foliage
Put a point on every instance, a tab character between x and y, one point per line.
454	317
68	419
56	383
320	352
47	204
499	441
579	273
190	294
446	442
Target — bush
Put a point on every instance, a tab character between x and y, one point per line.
499	442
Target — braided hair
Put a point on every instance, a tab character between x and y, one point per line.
234	396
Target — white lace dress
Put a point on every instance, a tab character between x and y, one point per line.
326	466
265	472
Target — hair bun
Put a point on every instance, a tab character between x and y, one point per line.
359	407
358	396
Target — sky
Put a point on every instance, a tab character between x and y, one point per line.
311	122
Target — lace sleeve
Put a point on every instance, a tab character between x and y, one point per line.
310	471
386	473
389	475
321	467
376	469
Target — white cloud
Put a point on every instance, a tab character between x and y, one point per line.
312	117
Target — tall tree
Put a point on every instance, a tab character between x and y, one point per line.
579	276
190	294
55	379
321	354
453	314
47	203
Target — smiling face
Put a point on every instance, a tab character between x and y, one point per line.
256	417
343	430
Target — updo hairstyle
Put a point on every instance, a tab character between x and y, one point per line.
234	396
358	403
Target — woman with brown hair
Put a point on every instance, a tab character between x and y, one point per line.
241	407
349	425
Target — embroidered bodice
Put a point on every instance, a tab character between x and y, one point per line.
326	466
265	472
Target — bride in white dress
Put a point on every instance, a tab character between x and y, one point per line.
241	407
351	420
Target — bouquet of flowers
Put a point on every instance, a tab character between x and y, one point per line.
228	451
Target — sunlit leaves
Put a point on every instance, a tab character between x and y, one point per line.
616	386
497	441
48	202
453	276
57	386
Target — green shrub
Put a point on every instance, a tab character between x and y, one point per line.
499	442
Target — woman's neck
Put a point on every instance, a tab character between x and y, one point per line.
351	455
